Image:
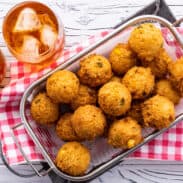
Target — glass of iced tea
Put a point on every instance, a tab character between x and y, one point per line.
33	33
2	66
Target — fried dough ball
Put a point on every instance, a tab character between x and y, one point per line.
146	41
115	78
122	59
62	86
64	128
158	112
139	81
88	122
43	110
125	133
85	96
95	70
136	112
159	66
73	158
176	74
114	98
165	88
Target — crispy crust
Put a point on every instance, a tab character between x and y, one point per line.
95	70
64	128
115	78
122	59
85	96
176	75
139	81
125	133
62	86
88	122
146	41
114	98
158	112
73	158
159	65
136	112
43	110
165	88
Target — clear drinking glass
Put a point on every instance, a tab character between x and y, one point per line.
39	44
2	67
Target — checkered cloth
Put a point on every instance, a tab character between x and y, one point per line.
168	146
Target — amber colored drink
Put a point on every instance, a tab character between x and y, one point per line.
2	66
33	33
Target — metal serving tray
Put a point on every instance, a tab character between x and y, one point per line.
103	47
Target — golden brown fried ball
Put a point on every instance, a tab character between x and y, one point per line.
62	86
43	110
85	96
158	112
125	133
64	128
136	112
115	78
139	81
165	88
88	122
73	158
146	41
114	98
176	74
122	59
159	65
95	70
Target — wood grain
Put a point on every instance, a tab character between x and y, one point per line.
106	15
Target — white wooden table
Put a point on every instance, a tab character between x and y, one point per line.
106	14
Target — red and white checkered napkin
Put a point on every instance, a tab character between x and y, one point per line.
168	146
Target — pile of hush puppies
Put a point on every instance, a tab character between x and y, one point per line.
115	97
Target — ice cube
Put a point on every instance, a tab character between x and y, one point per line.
45	19
30	46
27	21
48	35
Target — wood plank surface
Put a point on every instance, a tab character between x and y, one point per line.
104	15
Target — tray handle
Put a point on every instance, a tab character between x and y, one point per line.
178	22
40	172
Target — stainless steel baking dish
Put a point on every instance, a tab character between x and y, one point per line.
103	47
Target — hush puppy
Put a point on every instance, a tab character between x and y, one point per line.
73	158
159	65
176	75
88	122
139	81
115	78
43	110
62	86
85	96
164	88
64	128
136	112
125	133
95	70
122	59
146	41
158	112
114	98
